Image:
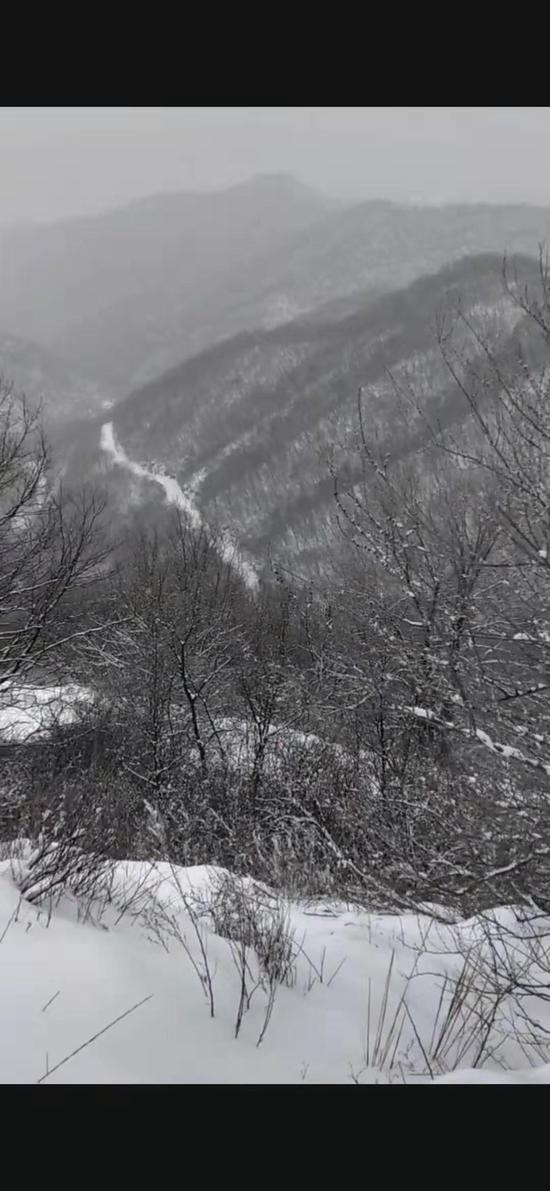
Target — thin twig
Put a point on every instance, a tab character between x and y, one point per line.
93	1038
51	1000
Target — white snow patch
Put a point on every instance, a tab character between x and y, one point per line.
27	711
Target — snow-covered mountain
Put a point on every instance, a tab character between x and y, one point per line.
127	294
250	424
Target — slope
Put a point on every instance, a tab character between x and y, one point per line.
249	424
44	377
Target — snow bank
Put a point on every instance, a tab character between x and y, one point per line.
27	711
535	1075
123	994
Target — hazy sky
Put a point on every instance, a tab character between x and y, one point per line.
64	161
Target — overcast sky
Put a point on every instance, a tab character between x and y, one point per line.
67	161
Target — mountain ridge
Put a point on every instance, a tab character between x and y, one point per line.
126	295
251	422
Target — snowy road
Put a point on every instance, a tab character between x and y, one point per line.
183	500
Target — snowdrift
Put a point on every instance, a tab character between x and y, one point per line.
142	984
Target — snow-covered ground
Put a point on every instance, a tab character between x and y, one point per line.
27	711
367	997
239	740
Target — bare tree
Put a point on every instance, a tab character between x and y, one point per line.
444	648
50	548
166	667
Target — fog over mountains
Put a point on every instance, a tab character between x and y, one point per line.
127	293
226	334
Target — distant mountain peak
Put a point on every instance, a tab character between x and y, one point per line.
277	181
283	186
